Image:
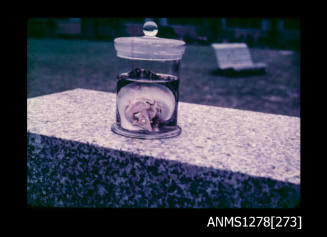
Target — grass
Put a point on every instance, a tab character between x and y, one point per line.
56	65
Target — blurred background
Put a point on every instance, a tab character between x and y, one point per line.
68	53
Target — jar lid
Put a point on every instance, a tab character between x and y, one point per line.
149	47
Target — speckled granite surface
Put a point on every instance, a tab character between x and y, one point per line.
223	158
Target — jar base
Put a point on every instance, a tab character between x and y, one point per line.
160	135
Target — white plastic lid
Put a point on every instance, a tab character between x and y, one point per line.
149	47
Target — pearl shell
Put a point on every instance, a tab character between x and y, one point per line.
134	93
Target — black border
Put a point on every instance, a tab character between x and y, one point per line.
132	219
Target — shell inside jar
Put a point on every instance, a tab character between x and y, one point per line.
144	106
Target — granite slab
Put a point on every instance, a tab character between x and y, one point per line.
223	158
235	56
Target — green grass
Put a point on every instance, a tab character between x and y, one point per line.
56	65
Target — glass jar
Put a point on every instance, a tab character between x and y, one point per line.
148	85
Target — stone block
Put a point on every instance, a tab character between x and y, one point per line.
235	56
224	158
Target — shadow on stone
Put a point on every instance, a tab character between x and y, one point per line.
63	173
